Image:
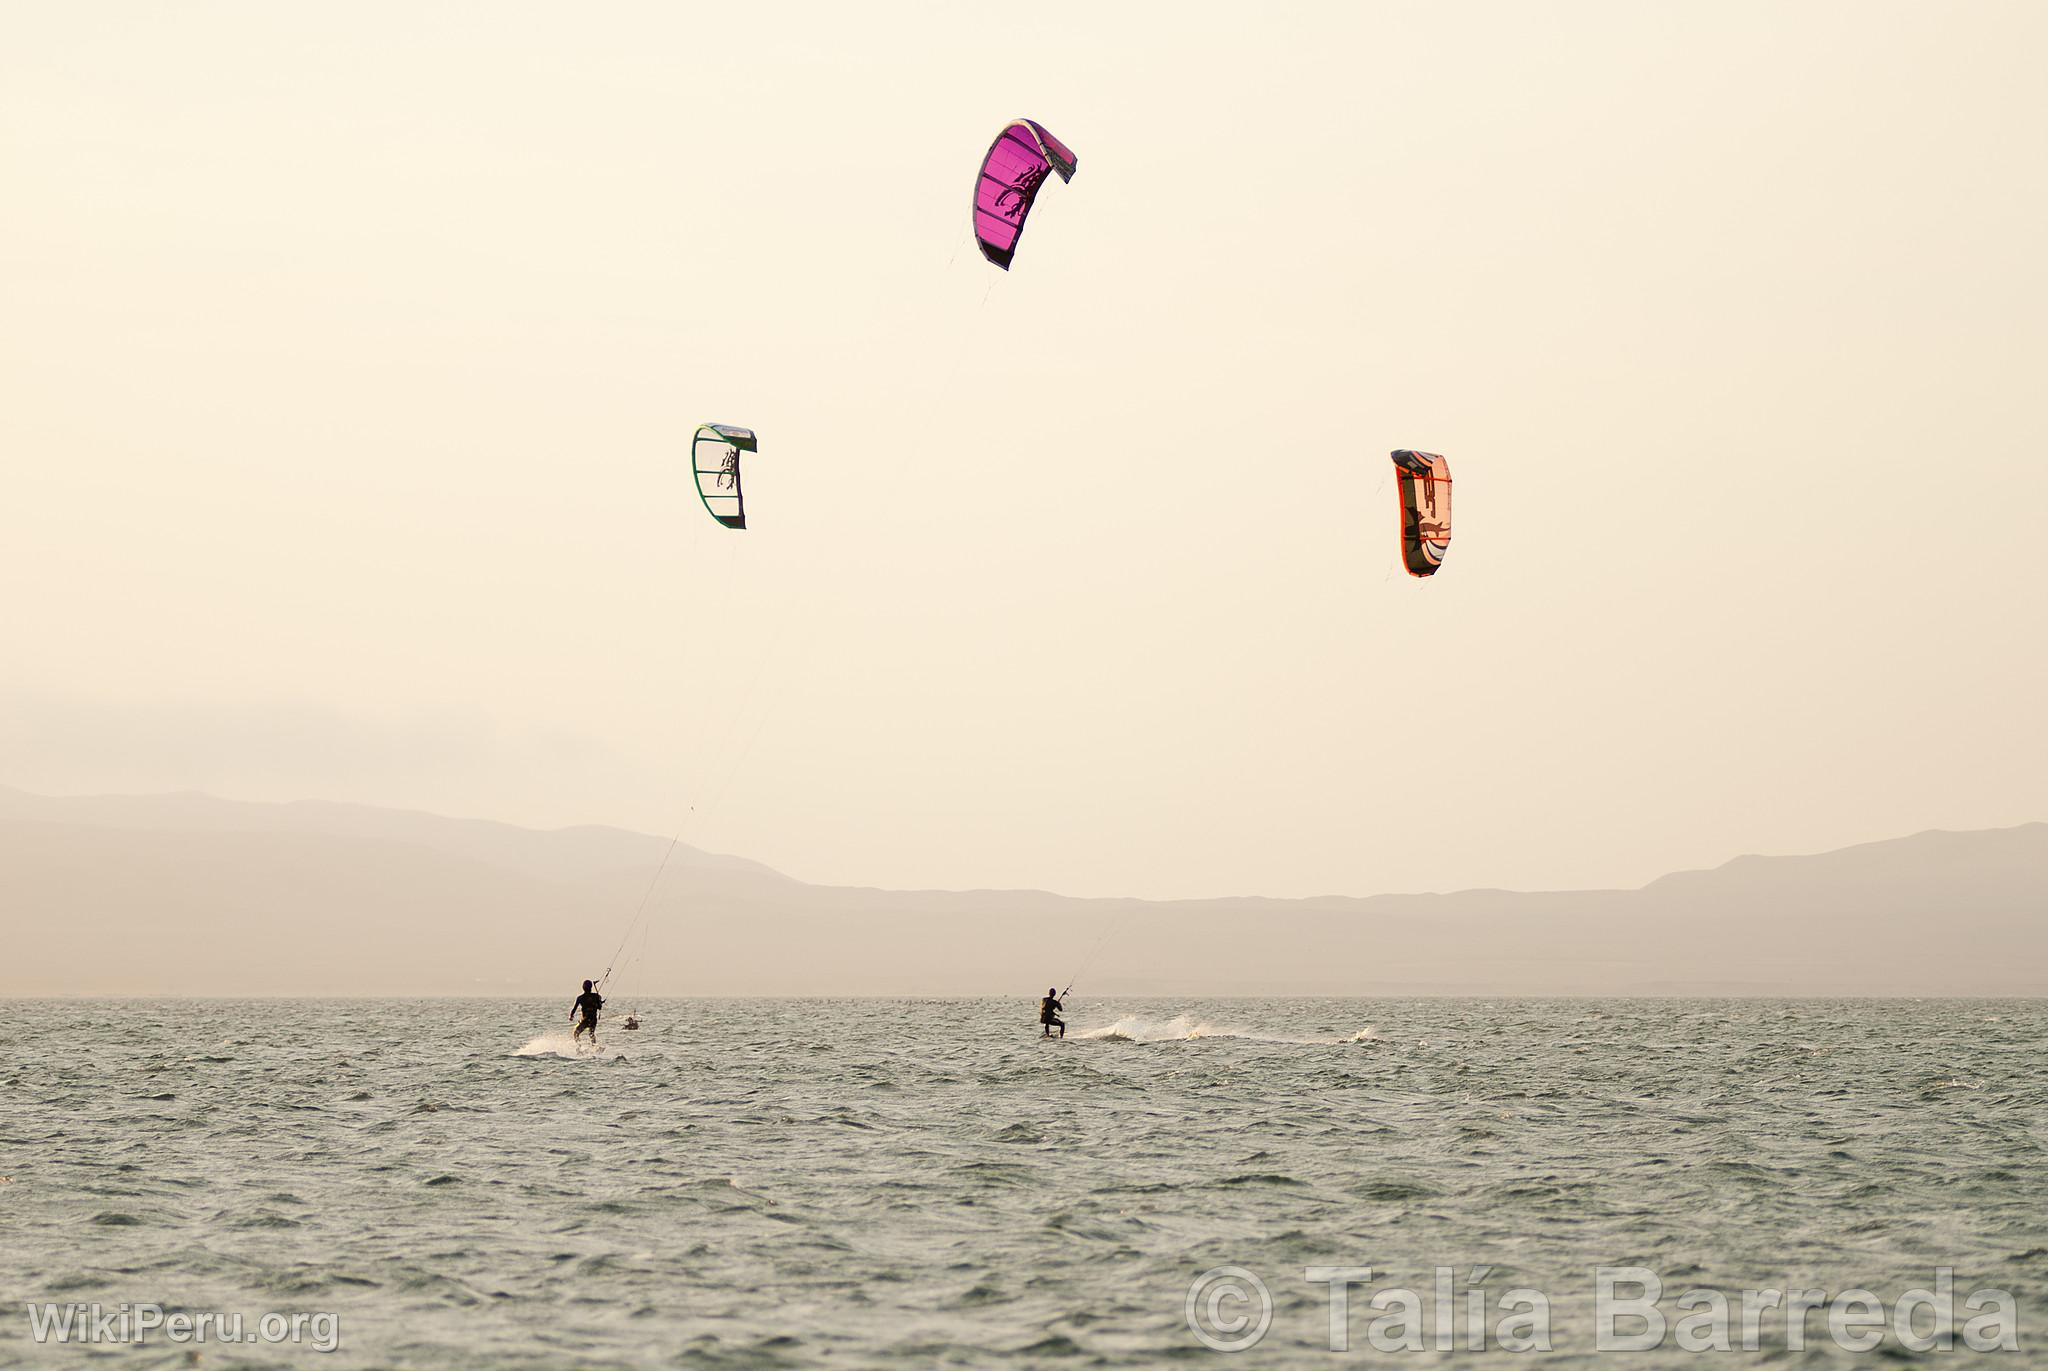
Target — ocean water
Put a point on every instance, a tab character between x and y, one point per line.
883	1182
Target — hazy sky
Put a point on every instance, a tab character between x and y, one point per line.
349	356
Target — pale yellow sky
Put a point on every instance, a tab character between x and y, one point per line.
349	356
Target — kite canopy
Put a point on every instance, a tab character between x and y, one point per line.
715	454
1016	165
1425	491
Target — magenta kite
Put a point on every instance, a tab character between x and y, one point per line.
1016	166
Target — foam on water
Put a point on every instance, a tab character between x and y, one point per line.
1188	1028
560	1044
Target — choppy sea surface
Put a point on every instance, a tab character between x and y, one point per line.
773	1183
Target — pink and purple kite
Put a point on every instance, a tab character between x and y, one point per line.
1017	164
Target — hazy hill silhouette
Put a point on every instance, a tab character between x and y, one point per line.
189	894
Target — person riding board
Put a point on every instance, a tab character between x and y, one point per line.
1049	1013
587	1004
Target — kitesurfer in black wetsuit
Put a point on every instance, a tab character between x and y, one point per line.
1049	1013
587	1004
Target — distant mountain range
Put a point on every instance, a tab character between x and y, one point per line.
191	895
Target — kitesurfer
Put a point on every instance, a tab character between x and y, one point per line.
587	1004
1049	1013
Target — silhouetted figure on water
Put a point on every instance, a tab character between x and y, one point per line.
1049	1013
587	1004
